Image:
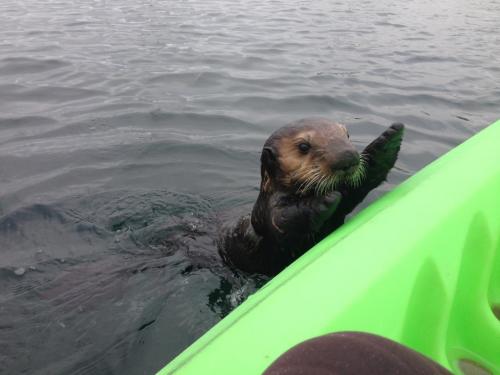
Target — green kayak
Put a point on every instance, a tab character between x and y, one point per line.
420	266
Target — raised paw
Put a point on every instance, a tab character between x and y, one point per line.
394	133
389	139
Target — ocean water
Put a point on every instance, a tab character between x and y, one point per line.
130	129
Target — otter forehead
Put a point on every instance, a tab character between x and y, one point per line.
315	130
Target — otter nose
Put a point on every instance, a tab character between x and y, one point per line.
345	160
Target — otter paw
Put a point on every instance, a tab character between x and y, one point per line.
394	133
381	154
390	137
325	207
331	200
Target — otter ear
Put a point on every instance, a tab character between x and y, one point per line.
343	127
268	161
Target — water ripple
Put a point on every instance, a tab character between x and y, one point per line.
45	94
26	65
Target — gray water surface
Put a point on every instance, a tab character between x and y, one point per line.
129	129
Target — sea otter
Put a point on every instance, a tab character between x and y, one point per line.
311	178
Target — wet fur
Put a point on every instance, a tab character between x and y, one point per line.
291	213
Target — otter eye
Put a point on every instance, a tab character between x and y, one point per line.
304	147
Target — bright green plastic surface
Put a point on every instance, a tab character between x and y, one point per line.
420	266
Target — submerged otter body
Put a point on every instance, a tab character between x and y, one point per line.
311	178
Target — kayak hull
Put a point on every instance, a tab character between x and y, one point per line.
420	266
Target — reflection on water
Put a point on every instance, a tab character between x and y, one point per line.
129	130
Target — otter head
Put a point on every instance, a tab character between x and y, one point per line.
310	156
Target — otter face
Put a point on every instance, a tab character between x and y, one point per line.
311	155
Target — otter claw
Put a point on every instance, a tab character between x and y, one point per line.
394	129
397	126
332	198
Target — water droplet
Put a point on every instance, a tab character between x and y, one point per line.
20	271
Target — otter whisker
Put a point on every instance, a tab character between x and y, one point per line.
329	182
327	186
303	175
304	187
311	179
322	186
316	181
319	185
357	177
332	183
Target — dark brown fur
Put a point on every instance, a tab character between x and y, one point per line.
305	195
